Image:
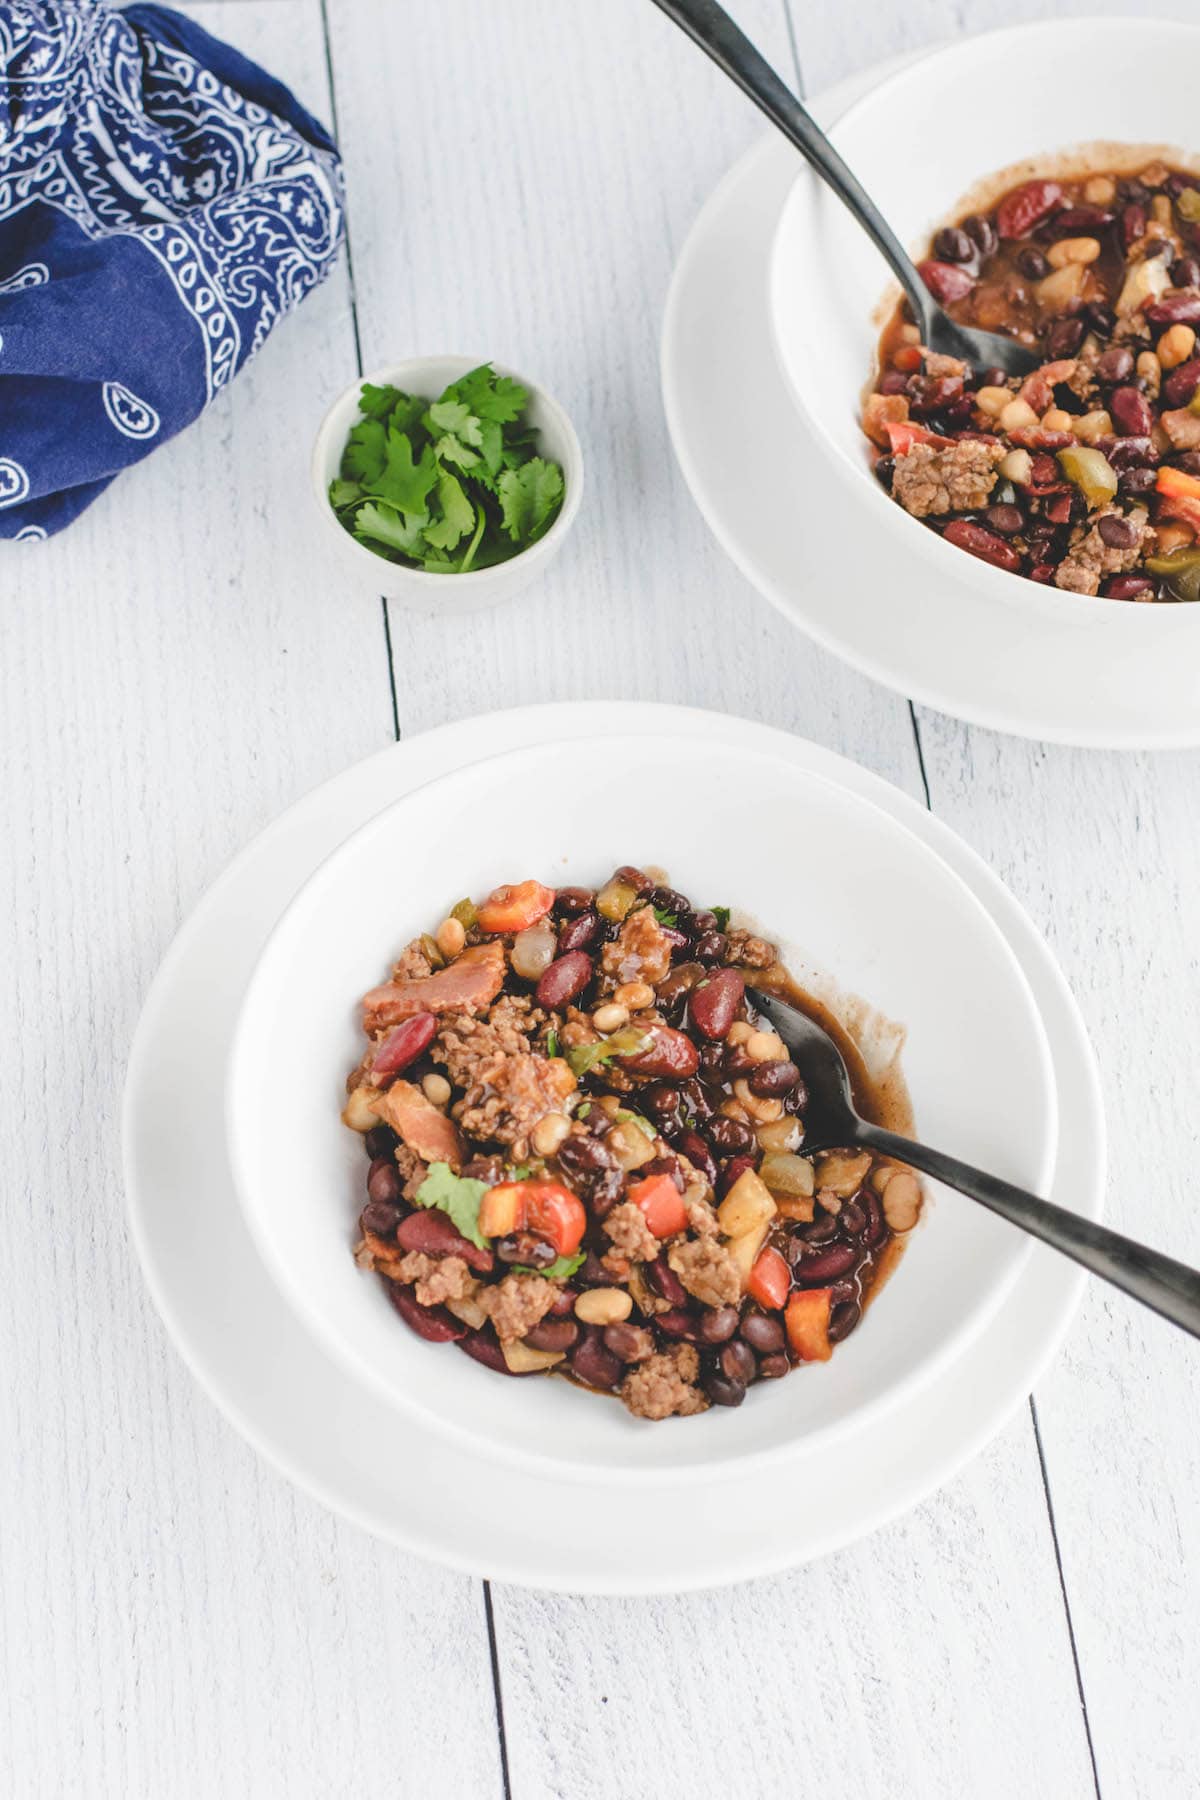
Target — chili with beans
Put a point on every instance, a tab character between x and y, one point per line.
1086	474
585	1153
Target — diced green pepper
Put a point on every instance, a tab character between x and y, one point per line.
1188	203
1181	571
1089	471
466	914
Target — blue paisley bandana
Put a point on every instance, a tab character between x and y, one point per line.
162	203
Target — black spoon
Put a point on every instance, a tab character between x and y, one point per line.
831	1123
710	26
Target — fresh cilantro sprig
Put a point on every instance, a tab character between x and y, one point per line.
721	915
457	1195
448	485
561	1269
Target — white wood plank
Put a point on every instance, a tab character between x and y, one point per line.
631	132
927	1663
585	140
176	1620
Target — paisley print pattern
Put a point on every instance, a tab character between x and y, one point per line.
188	197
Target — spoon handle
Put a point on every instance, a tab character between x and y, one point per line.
1159	1282
710	26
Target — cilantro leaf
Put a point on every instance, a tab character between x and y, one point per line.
552	1042
529	498
489	396
344	493
561	1269
456	1195
366	449
458	515
583	1058
407	414
403	482
669	919
633	1118
377	402
452	449
455	417
385	525
721	915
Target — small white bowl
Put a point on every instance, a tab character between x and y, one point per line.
854	897
420	588
928	143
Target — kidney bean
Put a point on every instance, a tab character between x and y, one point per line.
1076	221
592	1272
1026	206
762	1333
380	1141
711	946
665	1282
717	1324
1135	482
730	1137
738	1362
1175	309
631	1343
564	1303
403	1046
383	1182
826	1265
524	1248
772	1367
577	932
697	1099
679	982
1189	462
715	1003
733	1171
1115	364
564	979
876	1223
1185	272
433	1323
1118	533
1130	452
737	1061
669	1052
636	879
953	245
484	1348
1045	476
1057	508
723	1392
1033	262
771	1080
983	544
553	1334
1042	571
665	1165
1132	223
379	1219
1130	411
435	1233
822	1230
592	1363
1005	519
1064	337
945	281
1127	587
1181	383
677	1323
693	1146
843	1319
982	232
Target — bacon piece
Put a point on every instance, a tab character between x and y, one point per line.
426	1131
471	981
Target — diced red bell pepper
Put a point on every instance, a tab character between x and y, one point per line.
903	436
515	908
545	1207
661	1205
807	1322
770	1279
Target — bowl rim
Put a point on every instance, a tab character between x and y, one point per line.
520	1454
410	369
1044	600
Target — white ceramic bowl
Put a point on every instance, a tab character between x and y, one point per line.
924	142
850	893
428	376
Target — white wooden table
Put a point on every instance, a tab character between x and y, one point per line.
175	1620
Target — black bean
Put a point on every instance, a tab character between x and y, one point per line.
634	878
383	1182
661	1101
717	1324
379	1142
677	1323
1185	272
732	1171
1134	482
723	1392
524	1247
667	900
852	1219
632	1343
1189	462
573	900
826	1264
771	1080
592	1272
1118	534
843	1319
711	946
1064	338
738	1362
1005	519
982	232
693	1146
591	1362
582	1155
772	1367
1115	365
1033	263
730	1137
1100	318
822	1230
953	245
380	1219
762	1333
553	1334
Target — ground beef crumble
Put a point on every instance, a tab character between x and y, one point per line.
664	1385
1090	558
509	1087
747	951
706	1270
641	950
631	1236
956	479
437	1279
516	1304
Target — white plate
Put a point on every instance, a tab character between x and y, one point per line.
784	515
404	1483
887	920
